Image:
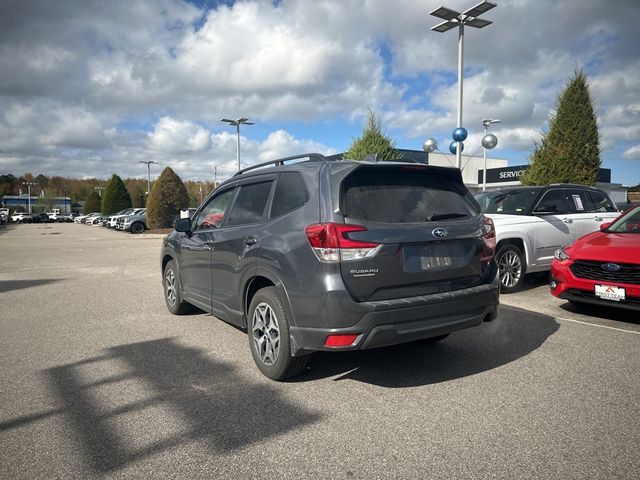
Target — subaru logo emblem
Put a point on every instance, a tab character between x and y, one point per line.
439	232
611	267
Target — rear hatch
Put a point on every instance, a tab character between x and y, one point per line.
424	233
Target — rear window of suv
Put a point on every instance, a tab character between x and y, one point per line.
405	195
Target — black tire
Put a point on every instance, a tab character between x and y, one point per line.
267	306
137	227
511	268
173	290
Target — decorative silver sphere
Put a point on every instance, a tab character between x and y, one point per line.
430	145
489	141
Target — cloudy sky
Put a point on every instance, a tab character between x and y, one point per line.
89	88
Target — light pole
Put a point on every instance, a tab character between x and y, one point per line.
237	123
29	184
148	162
452	19
100	189
488	142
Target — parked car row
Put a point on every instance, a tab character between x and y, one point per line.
132	220
576	232
23	217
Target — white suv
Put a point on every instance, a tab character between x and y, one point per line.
532	222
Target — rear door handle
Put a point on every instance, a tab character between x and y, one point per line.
567	220
208	243
598	219
250	240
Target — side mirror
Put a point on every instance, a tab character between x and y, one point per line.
604	226
183	225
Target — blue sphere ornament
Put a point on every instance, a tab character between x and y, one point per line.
453	147
460	134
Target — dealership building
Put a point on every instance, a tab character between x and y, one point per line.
38	204
500	174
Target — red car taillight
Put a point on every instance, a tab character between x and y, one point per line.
489	238
340	340
330	242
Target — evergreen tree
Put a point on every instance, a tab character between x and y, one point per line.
93	203
570	149
372	142
115	197
168	196
42	180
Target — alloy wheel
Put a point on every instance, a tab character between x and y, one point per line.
510	267
170	284
266	333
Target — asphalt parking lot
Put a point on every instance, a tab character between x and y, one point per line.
98	380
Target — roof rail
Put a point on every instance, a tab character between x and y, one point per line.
314	157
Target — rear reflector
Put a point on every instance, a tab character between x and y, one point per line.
331	243
342	340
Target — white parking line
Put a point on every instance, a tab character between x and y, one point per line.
597	325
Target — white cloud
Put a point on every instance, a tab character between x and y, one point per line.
632	153
282	144
172	136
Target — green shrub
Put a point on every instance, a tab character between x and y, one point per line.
93	203
115	197
168	196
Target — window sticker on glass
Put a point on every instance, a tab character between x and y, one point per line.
578	202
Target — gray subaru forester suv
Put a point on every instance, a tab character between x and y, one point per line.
310	254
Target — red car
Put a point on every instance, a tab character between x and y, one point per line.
602	267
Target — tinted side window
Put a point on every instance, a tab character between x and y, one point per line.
581	201
555	201
291	192
250	204
213	213
601	203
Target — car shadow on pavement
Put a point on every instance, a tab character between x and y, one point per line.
601	311
534	280
9	285
203	398
514	334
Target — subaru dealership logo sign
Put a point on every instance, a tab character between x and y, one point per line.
611	267
439	232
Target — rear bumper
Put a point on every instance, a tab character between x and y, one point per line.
398	321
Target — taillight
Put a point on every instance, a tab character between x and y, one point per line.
331	243
489	238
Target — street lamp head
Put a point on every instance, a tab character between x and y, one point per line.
479	9
445	26
469	17
478	23
445	13
488	121
239	121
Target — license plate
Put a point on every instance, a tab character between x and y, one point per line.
608	292
436	255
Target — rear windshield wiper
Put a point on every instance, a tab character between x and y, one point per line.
444	216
